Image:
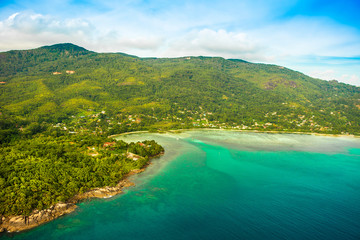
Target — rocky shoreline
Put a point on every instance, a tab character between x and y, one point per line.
36	218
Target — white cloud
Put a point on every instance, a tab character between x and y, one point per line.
193	29
139	45
332	74
302	36
208	42
328	74
223	42
350	79
27	30
27	22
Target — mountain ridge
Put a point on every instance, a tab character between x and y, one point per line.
58	84
65	46
72	48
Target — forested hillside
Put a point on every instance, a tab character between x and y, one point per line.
39	172
59	103
68	87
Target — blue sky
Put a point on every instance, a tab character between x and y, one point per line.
319	38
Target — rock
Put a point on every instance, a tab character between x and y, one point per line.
60	206
20	223
17	220
31	219
37	215
45	216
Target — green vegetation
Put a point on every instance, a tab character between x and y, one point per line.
58	102
82	91
39	172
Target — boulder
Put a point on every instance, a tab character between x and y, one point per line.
17	220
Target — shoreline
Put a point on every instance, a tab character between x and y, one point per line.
18	223
237	130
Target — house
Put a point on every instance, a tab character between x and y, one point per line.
108	144
141	144
56	73
133	156
70	72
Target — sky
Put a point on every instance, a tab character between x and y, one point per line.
317	37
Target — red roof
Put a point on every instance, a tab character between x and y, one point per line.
108	144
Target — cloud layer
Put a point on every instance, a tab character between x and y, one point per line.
260	31
27	30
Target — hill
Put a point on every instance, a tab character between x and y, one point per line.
60	103
65	86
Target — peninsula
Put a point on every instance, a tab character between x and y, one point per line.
47	176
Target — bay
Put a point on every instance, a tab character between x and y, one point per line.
228	185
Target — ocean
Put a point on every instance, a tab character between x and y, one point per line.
214	184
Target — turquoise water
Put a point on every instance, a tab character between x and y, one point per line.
229	185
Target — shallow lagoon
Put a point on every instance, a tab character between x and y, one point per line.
229	185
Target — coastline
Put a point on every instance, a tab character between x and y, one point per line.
238	130
20	223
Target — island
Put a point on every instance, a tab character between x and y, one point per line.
61	104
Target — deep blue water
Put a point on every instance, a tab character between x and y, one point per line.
226	185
